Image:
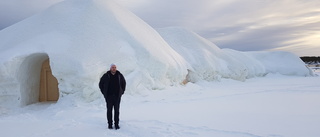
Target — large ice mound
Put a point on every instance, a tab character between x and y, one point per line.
281	62
206	61
209	62
82	37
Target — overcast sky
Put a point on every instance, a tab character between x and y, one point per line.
245	25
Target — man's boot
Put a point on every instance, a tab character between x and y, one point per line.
110	126
117	126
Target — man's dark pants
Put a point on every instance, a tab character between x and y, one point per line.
113	102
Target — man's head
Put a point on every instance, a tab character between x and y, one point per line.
113	68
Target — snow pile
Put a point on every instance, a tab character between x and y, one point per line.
82	37
207	61
281	62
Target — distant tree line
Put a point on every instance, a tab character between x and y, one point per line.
311	60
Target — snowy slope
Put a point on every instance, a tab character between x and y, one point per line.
209	62
281	62
82	38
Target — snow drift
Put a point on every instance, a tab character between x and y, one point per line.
82	37
207	61
281	62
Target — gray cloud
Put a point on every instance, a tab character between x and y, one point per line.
244	25
12	11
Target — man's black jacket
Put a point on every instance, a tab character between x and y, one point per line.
104	83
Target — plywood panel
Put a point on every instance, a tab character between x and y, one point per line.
49	90
52	87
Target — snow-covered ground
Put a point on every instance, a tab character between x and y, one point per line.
271	106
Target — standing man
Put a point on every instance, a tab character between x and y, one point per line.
112	85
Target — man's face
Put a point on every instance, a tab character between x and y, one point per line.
113	68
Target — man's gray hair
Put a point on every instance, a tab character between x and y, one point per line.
112	65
